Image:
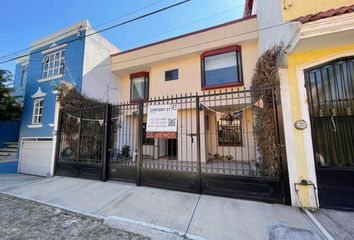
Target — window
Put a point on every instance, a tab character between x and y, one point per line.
53	64
222	68
146	141
229	132
139	88
171	75
24	74
37	111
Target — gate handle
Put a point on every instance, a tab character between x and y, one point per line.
191	135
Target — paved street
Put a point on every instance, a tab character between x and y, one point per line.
23	219
155	213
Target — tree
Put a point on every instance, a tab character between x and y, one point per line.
9	108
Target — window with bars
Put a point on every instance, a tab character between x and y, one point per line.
53	64
37	111
229	132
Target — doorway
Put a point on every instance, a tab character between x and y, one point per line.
330	91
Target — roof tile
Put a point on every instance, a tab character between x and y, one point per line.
325	14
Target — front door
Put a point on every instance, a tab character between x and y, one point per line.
330	91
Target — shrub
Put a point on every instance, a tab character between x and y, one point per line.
125	151
229	157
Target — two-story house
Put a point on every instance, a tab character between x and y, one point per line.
68	55
205	77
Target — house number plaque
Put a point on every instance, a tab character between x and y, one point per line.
300	124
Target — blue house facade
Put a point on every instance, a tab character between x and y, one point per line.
68	56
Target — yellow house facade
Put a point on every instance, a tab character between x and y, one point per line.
183	55
207	76
316	80
315	115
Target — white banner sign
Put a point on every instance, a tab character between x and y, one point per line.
162	118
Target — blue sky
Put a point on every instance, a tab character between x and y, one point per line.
23	21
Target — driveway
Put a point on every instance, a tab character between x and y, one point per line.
152	211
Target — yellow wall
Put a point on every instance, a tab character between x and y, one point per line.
189	71
304	7
295	60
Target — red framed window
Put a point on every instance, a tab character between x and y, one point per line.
222	68
139	86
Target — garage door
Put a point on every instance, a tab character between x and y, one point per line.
36	157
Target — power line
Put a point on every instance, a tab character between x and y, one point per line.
185	25
73	30
181	48
106	29
178	27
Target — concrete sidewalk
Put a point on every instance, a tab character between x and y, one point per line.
154	212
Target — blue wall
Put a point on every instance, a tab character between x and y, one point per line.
8	167
19	89
74	55
9	131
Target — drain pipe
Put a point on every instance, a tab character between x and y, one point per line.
307	213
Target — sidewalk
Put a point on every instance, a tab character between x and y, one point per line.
339	224
152	211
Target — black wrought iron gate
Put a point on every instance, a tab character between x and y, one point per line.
330	90
225	143
80	149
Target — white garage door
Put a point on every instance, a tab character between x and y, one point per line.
36	157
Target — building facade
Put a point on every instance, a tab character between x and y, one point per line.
65	56
316	77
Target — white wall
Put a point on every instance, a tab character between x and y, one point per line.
272	29
98	81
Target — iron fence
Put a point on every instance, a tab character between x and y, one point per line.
233	135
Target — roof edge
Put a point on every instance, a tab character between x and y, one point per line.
186	35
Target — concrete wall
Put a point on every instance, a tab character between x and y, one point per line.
189	70
273	29
98	81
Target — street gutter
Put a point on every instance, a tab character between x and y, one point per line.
317	225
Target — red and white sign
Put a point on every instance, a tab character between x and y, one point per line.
162	118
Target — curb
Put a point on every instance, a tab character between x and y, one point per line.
112	219
318	225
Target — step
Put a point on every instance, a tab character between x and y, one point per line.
10	143
4	154
8	149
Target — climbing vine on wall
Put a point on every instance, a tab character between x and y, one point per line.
266	77
82	123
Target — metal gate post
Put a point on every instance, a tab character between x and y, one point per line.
106	142
140	142
281	145
79	143
58	140
199	169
